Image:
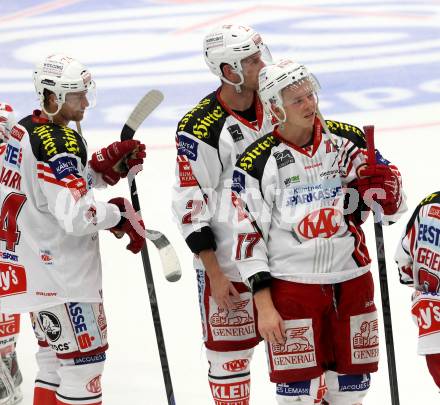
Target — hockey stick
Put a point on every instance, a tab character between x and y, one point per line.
168	257
148	103
380	249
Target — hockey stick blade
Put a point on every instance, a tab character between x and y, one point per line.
170	262
143	109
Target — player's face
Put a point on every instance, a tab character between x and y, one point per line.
251	67
75	105
300	102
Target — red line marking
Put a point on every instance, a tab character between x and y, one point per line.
215	20
348	11
40	9
409	127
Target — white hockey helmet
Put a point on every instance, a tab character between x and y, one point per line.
7	121
273	79
231	44
61	75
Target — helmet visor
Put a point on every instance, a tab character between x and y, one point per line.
301	92
82	100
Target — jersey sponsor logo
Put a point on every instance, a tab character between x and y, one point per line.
44	132
46	256
17	133
10	178
94	385
236	133
201	128
426	312
322	223
351	382
314	192
235	366
63	167
329	174
51	325
364	334
232	393
80	327
248	158
291	180
12	279
294	389
284	158
13	155
428	258
9	325
334	125
70	140
98	358
232	324
90	215
238	182
313	166
77	187
200	106
187	147
429	281
429	234
9	256
186	176
298	350
434	212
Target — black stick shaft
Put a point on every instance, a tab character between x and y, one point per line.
386	310
154	305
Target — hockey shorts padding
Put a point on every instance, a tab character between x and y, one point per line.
328	327
224	329
72	329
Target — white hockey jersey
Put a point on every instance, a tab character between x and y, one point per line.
290	217
49	219
418	252
418	259
210	137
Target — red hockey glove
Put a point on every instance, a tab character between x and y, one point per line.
130	224
380	177
114	161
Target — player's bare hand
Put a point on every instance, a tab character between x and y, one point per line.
223	291
271	326
270	323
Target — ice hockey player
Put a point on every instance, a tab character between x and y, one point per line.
10	375
304	255
49	224
209	138
418	260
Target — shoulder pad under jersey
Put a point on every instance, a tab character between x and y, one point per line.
430	199
48	140
254	158
348	131
205	121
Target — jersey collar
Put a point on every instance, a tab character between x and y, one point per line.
317	137
37	118
258	111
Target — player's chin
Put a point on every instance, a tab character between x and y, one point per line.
79	115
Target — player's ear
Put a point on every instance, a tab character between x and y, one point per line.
228	72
